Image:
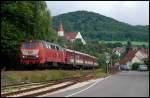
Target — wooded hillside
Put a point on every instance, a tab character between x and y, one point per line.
94	26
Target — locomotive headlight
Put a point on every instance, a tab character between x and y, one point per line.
23	56
37	56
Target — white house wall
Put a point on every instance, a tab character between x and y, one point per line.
60	33
136	60
80	37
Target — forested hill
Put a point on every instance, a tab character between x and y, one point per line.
98	27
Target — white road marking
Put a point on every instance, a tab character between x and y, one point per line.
87	87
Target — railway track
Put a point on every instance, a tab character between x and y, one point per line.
47	87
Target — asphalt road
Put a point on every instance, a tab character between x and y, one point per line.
122	84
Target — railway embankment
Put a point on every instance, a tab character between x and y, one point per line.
10	78
39	82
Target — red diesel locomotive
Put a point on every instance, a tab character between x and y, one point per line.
46	54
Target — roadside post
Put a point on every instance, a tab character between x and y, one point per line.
107	61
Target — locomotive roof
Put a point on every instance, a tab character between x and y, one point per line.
80	53
43	42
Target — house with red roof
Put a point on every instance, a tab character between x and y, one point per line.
72	36
135	56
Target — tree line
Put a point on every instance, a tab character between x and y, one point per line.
20	21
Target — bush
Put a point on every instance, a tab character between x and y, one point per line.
103	67
135	66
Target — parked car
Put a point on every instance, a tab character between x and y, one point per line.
124	67
142	68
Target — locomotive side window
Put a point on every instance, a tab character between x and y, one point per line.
77	56
52	46
44	44
57	48
48	45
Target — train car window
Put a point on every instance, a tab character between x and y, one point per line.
77	56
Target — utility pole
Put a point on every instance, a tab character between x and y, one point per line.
73	53
111	51
107	61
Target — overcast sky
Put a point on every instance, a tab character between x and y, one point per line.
131	12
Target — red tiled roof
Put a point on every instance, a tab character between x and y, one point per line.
61	27
119	49
146	50
70	35
128	57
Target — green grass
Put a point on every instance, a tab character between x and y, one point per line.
44	75
125	42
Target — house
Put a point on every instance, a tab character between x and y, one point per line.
72	36
142	54
127	60
135	56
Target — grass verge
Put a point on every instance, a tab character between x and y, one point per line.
45	75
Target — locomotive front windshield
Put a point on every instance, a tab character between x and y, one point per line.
30	44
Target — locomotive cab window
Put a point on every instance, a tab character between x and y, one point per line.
25	45
32	44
